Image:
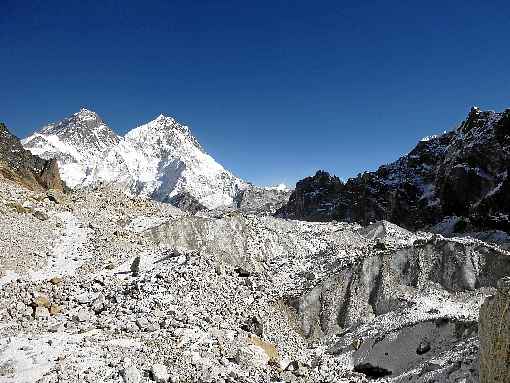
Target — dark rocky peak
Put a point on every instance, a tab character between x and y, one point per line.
323	179
12	152
462	173
84	119
313	198
321	183
502	128
481	125
84	128
429	149
475	119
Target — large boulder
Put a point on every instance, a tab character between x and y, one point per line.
494	331
20	166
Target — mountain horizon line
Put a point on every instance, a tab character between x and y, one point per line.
86	109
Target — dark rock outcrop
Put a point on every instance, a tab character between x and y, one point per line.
314	198
187	202
461	173
261	201
21	166
494	331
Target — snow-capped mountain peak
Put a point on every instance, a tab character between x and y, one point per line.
162	117
86	113
163	130
85	119
76	142
160	159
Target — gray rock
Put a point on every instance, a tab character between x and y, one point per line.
98	304
41	312
131	374
83	315
55	196
23	309
143	323
160	373
135	266
40	214
131	327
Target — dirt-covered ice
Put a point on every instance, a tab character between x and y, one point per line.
101	287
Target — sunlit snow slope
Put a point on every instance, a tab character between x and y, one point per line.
160	159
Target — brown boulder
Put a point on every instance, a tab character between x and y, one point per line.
494	332
24	168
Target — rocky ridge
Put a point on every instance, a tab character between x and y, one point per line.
19	165
460	177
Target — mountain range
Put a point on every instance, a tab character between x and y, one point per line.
145	292
453	182
456	181
160	159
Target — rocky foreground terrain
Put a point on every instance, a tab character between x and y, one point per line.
97	286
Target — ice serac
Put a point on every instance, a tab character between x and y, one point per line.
461	174
160	160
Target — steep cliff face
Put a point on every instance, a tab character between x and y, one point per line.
19	165
494	331
262	200
461	173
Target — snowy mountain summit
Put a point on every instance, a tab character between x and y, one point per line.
75	141
161	159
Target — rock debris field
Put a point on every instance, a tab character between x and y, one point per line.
96	286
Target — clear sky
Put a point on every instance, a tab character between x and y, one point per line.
274	90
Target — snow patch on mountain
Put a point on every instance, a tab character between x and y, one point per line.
279	187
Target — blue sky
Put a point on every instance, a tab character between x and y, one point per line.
274	90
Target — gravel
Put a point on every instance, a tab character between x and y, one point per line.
117	289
